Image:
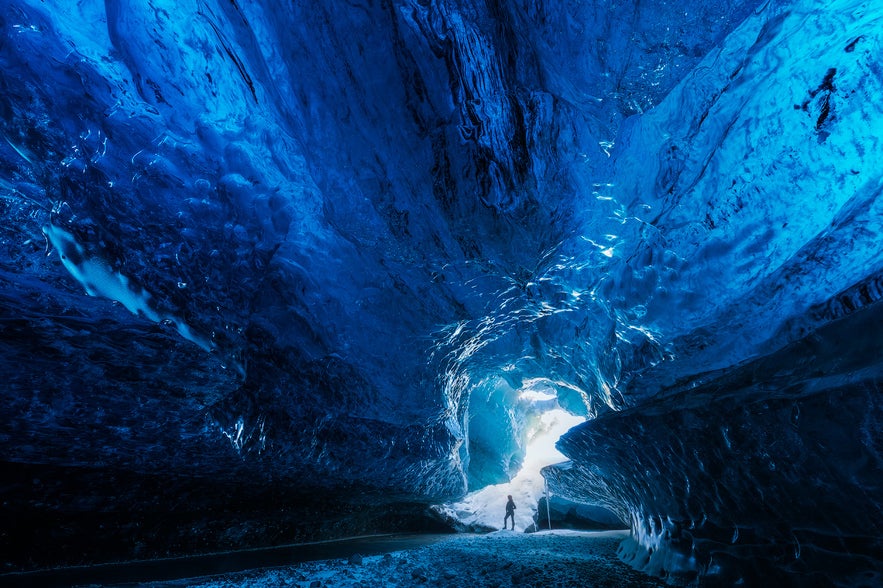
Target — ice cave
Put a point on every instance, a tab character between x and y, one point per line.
285	271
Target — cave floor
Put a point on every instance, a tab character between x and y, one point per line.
504	558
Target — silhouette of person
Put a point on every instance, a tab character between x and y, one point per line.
510	512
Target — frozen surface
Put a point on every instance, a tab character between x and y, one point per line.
274	270
504	558
750	434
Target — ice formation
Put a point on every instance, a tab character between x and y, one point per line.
322	249
544	422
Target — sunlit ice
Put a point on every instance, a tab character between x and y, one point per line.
486	506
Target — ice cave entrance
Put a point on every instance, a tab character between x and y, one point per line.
545	422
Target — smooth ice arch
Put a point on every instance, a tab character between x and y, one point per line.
385	219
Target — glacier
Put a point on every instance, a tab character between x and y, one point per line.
280	271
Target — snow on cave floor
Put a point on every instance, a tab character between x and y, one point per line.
558	558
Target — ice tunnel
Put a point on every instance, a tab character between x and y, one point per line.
276	271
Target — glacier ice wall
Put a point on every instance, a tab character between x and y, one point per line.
748	447
340	218
277	247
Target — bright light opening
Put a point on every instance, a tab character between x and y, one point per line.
488	505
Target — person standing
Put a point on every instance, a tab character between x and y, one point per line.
510	512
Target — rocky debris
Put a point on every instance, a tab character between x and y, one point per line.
544	559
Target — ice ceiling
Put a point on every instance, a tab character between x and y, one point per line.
330	245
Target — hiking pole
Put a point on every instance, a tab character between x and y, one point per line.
548	513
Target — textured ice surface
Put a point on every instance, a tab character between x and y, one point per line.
322	246
750	436
364	212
